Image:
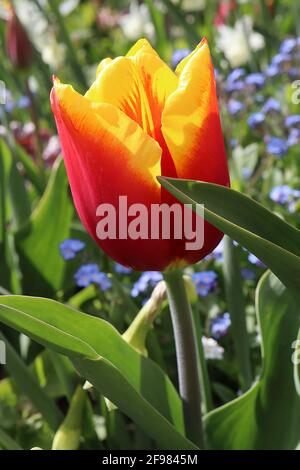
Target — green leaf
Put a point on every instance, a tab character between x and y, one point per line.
65	372
134	383
179	17
236	308
14	210
268	415
32	171
7	443
38	241
272	240
158	20
15	187
4	271
30	387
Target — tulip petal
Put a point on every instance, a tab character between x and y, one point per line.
190	121
192	132
137	84
111	132
158	80
104	63
184	61
108	155
142	45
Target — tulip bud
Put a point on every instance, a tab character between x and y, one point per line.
190	288
137	332
18	45
68	435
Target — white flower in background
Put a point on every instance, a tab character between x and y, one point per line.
53	53
212	350
41	34
67	6
137	22
238	42
32	18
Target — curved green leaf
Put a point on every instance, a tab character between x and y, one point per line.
272	240
134	383
38	241
268	415
29	386
7	443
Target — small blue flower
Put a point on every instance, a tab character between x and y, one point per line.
271	105
292	206
235	106
230	87
288	45
248	274
217	253
85	274
292	120
280	59
9	106
235	75
256	119
70	247
102	280
294	137
272	70
255	79
147	280
254	260
120	269
23	102
179	55
219	326
205	282
276	146
283	194
90	274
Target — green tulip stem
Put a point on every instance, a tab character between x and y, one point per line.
187	356
204	377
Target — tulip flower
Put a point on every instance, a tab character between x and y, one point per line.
18	45
140	120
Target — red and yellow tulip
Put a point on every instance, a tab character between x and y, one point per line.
140	120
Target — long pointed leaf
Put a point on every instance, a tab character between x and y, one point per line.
271	239
267	416
134	383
